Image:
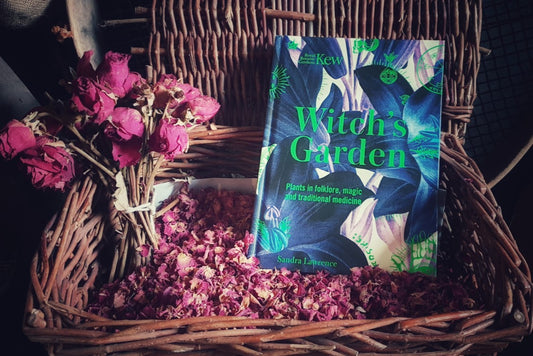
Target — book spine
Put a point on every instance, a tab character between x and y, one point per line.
264	154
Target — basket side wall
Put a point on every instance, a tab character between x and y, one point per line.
226	51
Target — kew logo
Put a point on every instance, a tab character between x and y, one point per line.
319	58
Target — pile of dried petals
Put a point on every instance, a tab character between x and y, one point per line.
200	268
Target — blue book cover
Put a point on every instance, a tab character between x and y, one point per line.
349	170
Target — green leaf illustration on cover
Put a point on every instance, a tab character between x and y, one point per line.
349	170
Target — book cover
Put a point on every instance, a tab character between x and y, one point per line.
349	168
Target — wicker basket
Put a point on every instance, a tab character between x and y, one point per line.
223	47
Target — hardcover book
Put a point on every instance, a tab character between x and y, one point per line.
349	168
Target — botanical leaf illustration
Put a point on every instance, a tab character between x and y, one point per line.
384	93
282	168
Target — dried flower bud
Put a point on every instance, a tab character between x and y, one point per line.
49	164
15	138
90	98
114	73
203	108
169	138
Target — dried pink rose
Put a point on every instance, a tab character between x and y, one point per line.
203	108
124	124
188	91
169	138
90	98
140	88
127	153
164	91
84	67
115	74
167	81
49	164
15	137
125	129
132	83
169	92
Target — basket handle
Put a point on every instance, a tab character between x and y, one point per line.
513	163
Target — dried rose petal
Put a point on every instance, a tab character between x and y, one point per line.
144	250
203	270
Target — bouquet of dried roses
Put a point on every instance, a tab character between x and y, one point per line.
118	127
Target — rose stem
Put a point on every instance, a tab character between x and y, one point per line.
75	131
91	159
124	251
167	207
160	159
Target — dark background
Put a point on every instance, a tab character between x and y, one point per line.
501	125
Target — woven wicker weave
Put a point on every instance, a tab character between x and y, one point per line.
224	47
220	51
